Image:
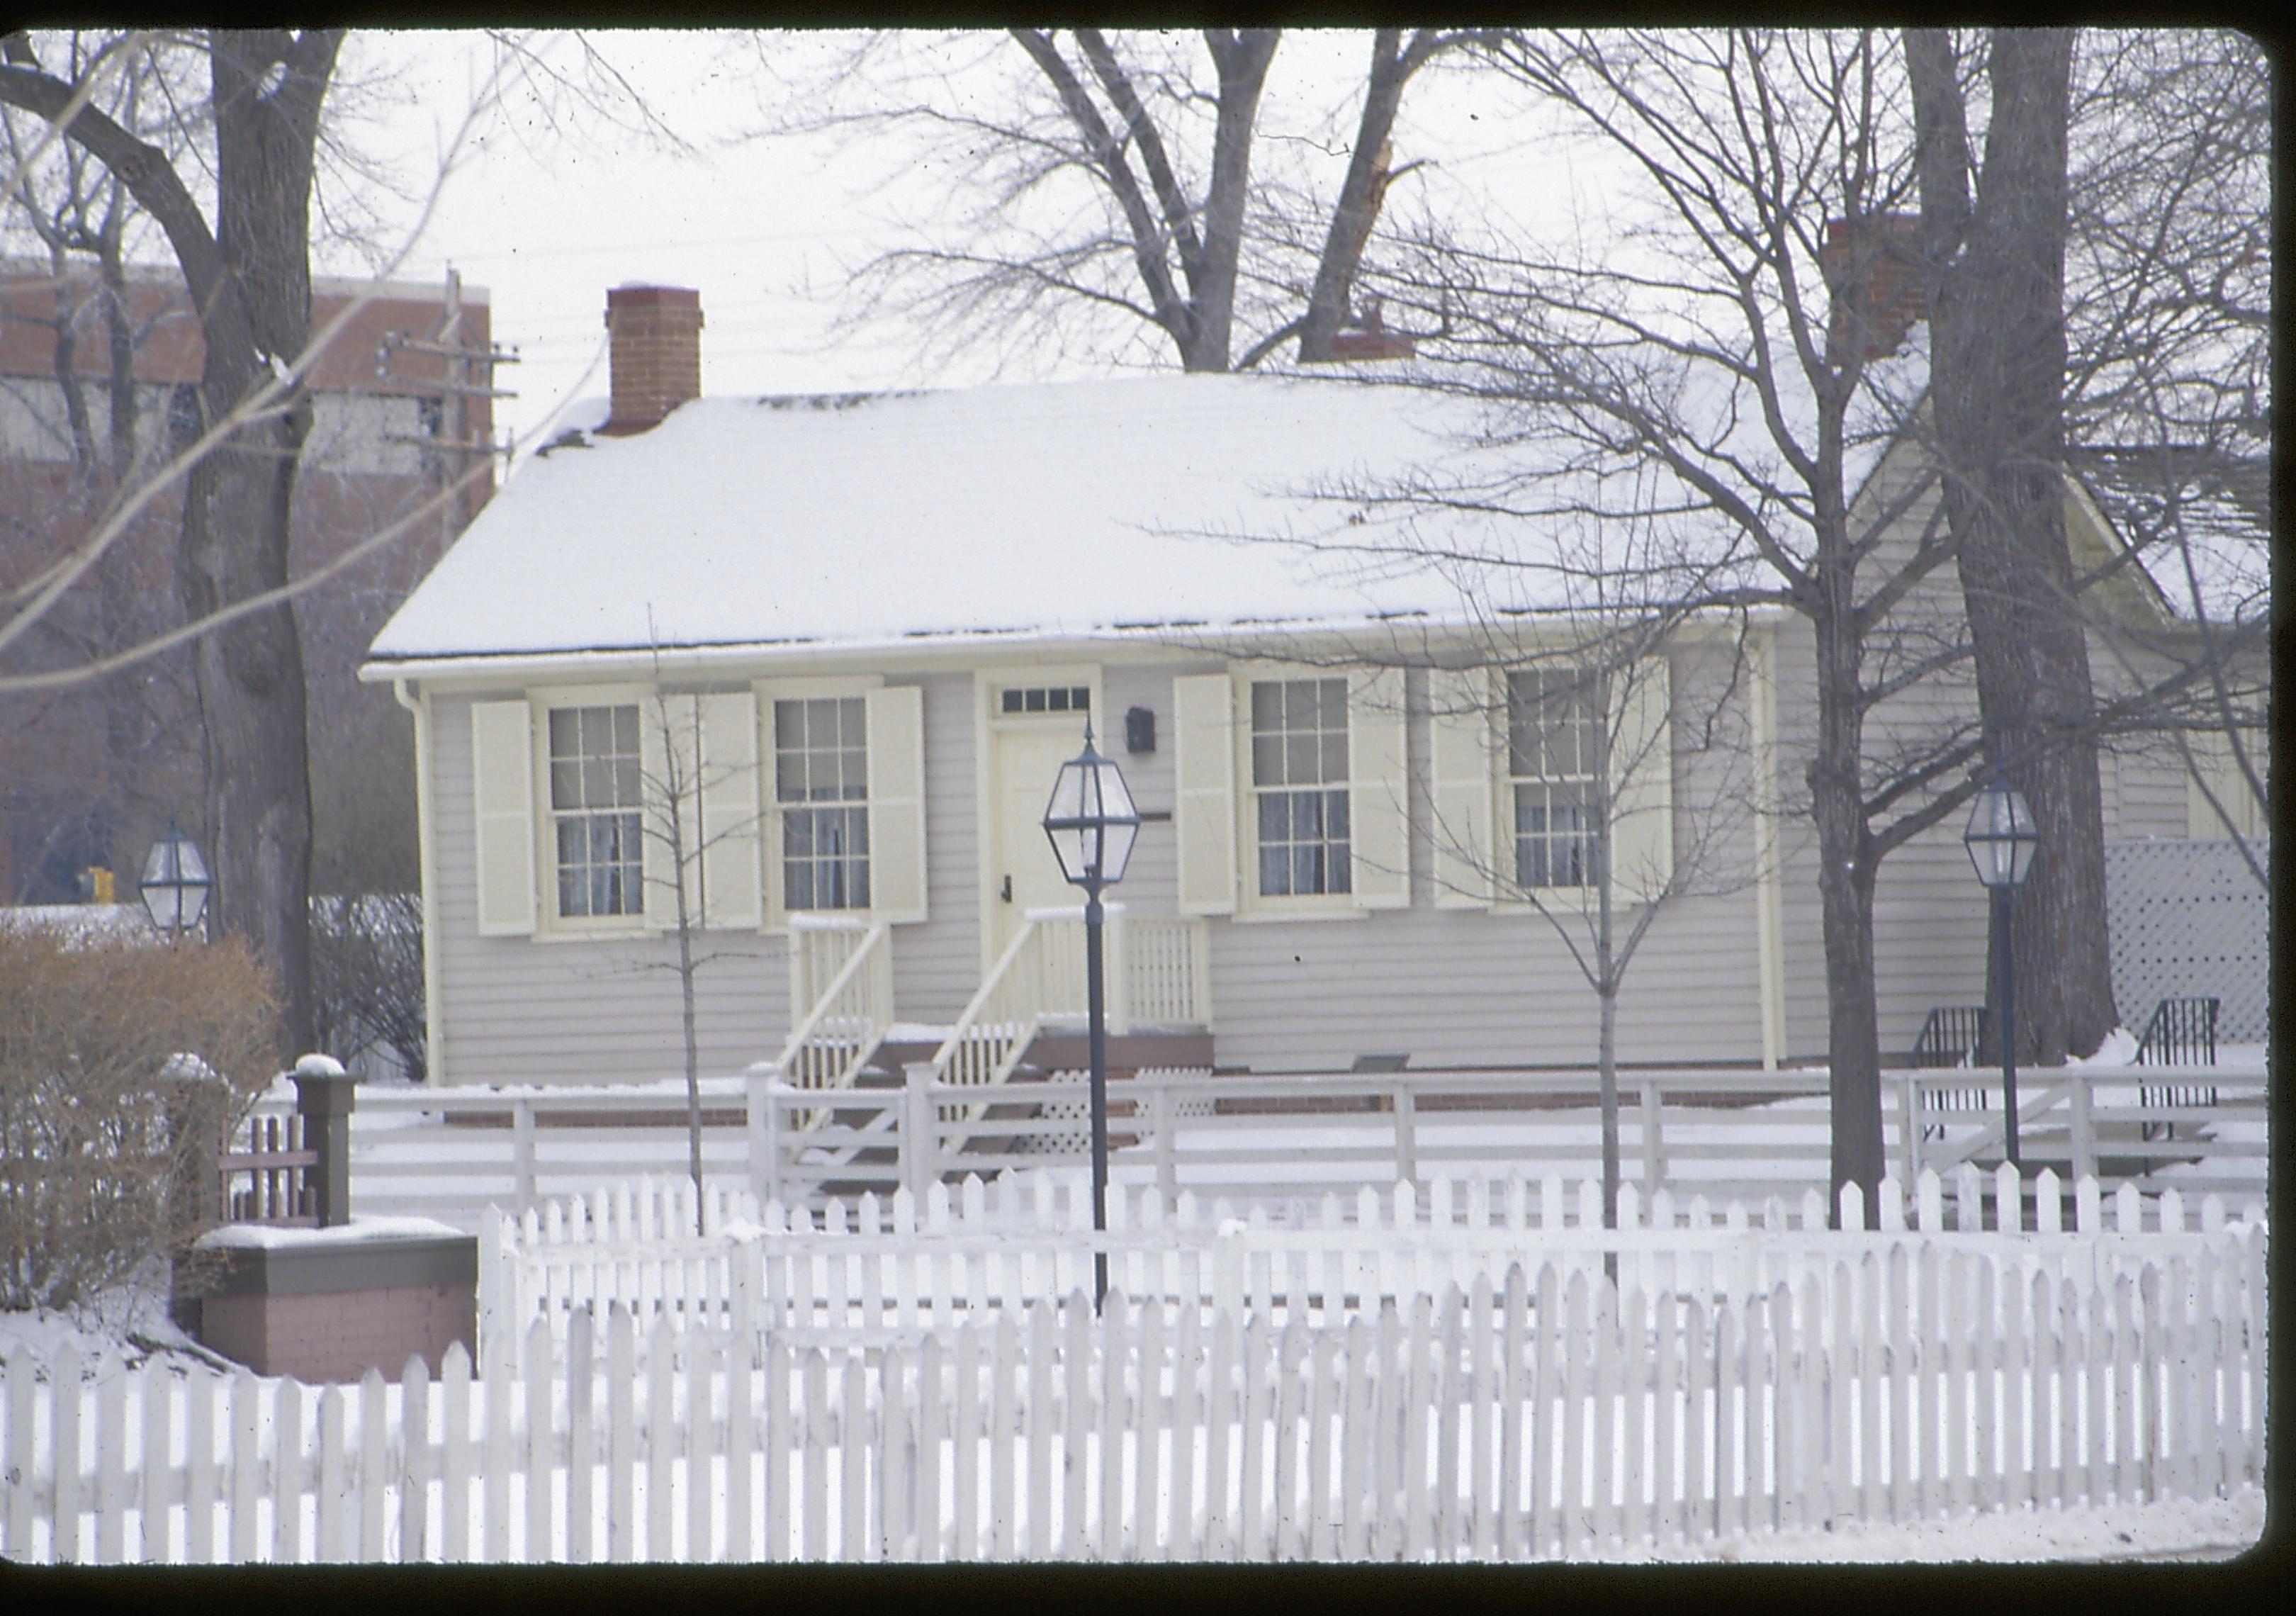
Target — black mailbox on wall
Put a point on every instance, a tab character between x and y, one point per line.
1139	730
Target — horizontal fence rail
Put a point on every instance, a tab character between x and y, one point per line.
450	1152
1538	1413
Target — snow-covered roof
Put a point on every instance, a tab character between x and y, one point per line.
2199	523
1193	504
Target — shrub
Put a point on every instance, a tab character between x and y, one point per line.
122	1066
366	981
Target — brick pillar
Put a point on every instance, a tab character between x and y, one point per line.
324	1100
655	346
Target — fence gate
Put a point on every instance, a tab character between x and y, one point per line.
2188	921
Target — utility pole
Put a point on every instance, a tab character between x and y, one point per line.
468	375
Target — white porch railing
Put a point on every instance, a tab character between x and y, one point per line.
841	974
1158	974
1159	968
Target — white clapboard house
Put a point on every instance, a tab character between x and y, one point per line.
852	638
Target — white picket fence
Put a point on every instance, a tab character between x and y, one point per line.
1544	1416
864	1273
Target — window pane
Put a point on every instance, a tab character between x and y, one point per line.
821	758
593	767
1302	765
1300	740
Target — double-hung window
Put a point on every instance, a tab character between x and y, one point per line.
597	810
821	779
1300	786
1554	758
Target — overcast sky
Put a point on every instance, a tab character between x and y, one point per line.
547	217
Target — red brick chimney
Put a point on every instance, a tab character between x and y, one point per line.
656	354
1871	264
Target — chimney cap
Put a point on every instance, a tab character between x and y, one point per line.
652	297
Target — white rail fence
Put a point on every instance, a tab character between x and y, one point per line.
449	1152
1542	1416
880	1272
1721	1133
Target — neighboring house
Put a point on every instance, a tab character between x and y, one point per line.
859	634
401	409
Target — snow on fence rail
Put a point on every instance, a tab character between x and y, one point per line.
1541	1416
861	1277
449	1152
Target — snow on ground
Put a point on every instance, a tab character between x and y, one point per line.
129	1321
2205	1528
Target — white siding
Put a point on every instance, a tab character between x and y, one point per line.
518	1010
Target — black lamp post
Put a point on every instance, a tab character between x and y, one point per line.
2001	838
176	883
1092	823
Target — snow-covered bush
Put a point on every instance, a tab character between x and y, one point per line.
122	1066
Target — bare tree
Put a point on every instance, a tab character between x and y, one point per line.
1707	374
1731	363
248	268
698	810
2168	283
1598	859
234	204
1994	269
1122	188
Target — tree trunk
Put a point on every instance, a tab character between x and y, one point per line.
1997	369
250	672
1242	61
1361	194
1845	885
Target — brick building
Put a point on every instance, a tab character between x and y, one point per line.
401	409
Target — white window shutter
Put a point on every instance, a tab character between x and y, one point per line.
895	721
669	762
1379	833
1465	732
1203	768
502	788
730	893
1642	781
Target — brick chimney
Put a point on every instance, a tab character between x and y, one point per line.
656	354
1872	266
1367	337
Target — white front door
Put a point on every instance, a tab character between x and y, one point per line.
1027	749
